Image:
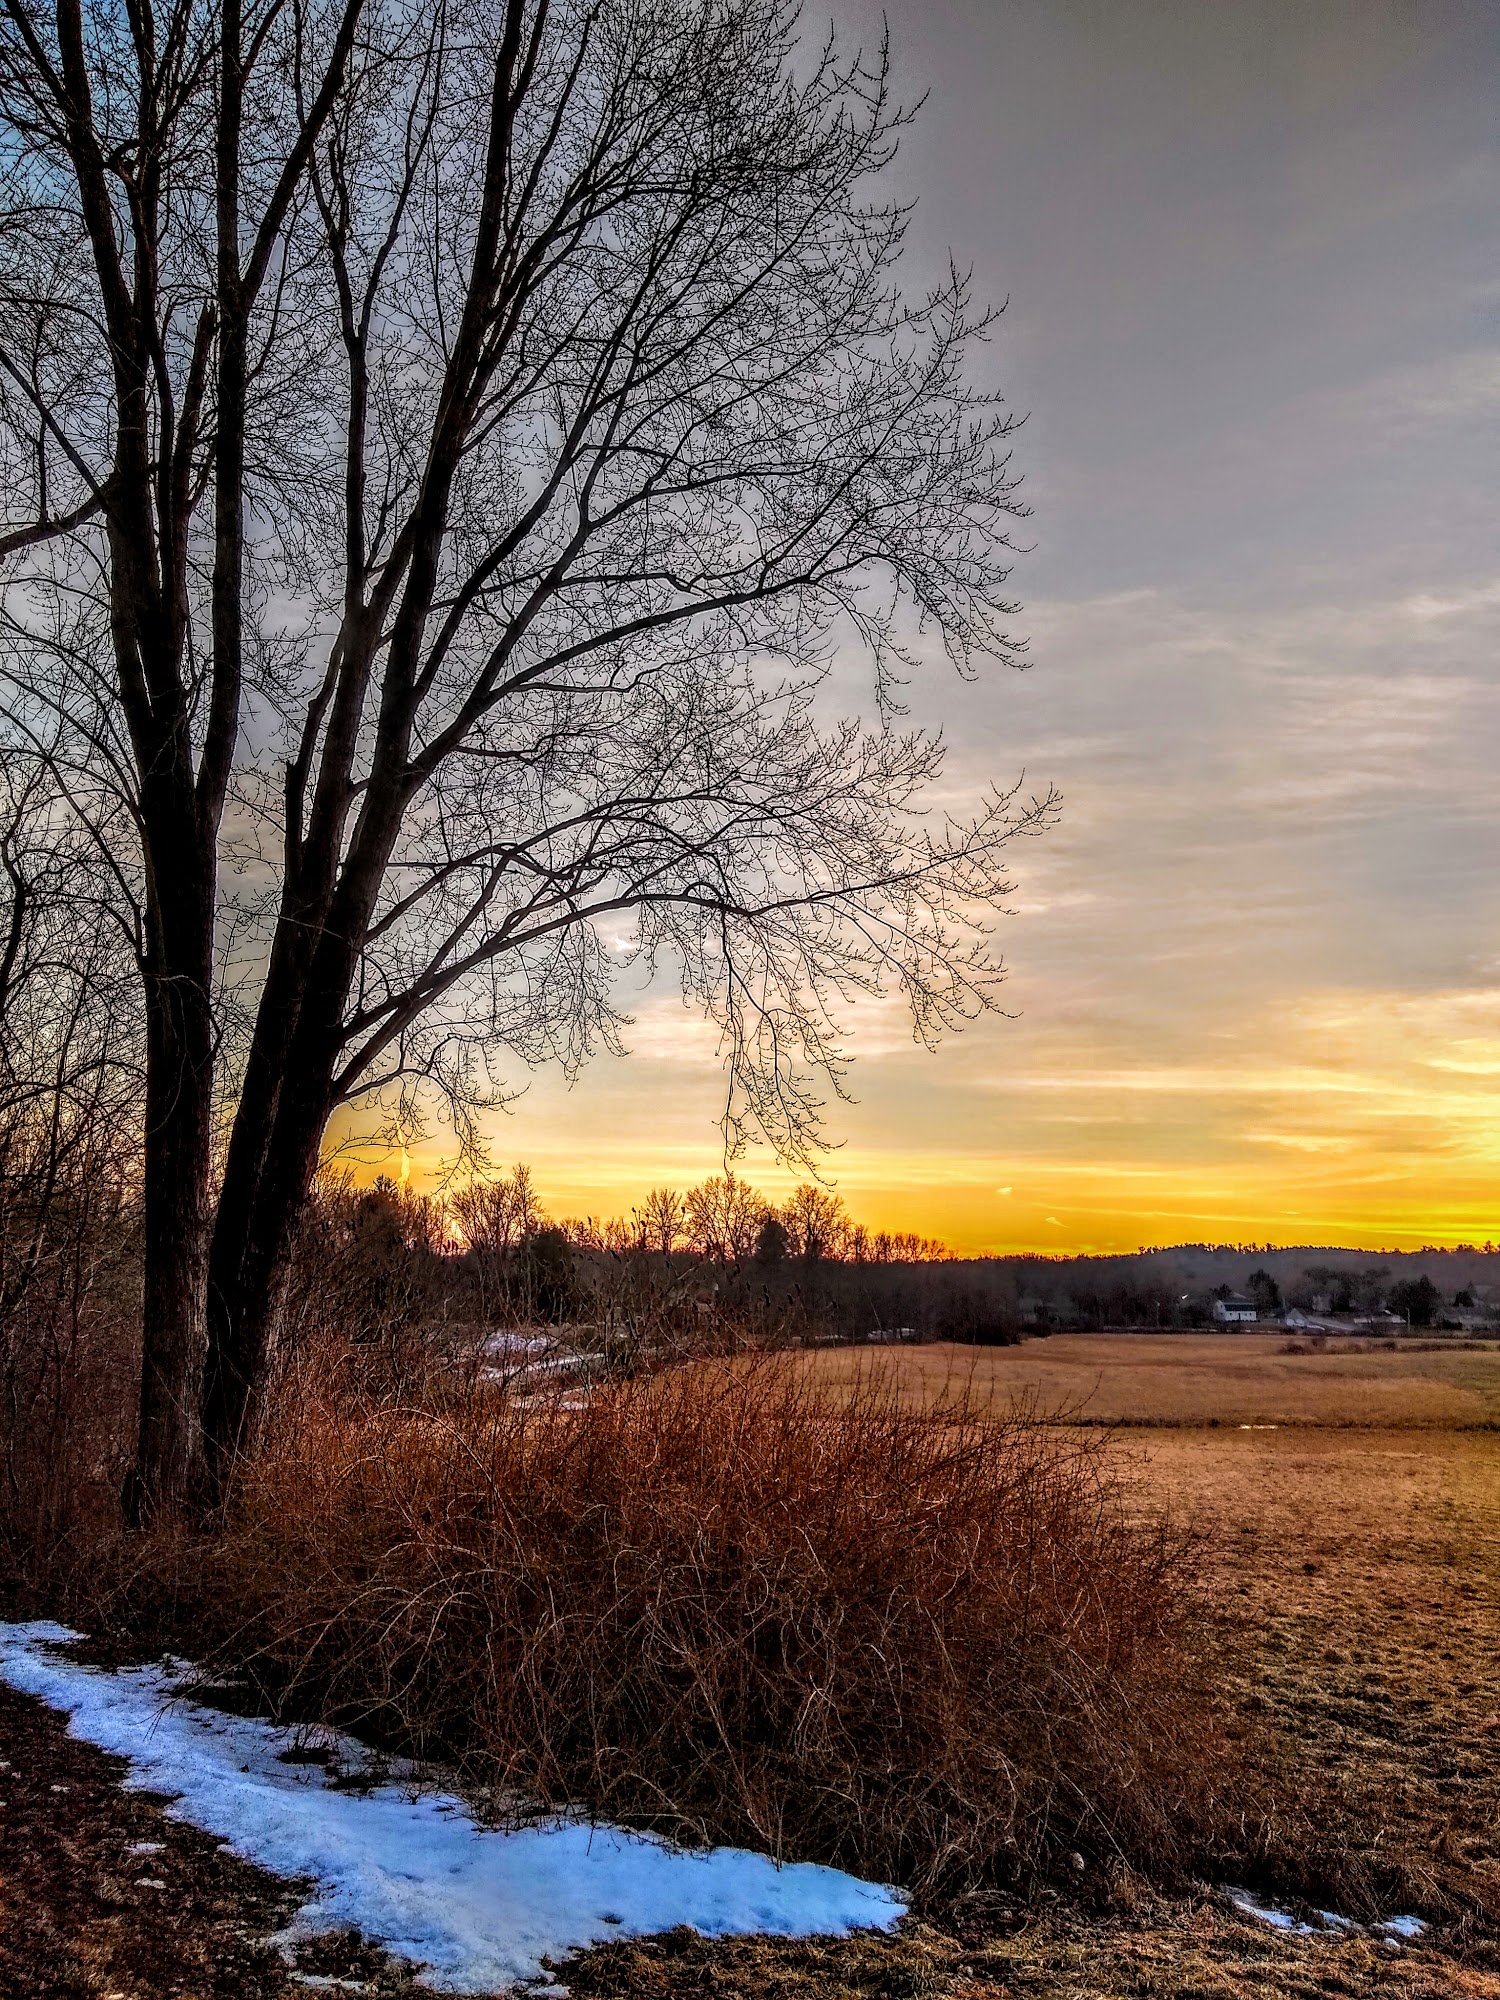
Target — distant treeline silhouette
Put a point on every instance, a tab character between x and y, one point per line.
805	1268
802	1268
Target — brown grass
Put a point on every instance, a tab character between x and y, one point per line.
1367	1566
1363	1567
1195	1379
929	1646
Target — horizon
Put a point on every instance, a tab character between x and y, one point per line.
551	1213
1254	324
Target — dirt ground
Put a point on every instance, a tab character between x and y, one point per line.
102	1897
1366	1564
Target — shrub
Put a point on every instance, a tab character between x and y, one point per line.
930	1646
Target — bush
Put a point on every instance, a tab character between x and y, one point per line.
932	1647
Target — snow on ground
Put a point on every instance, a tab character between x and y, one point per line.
1267	1913
476	1907
1409	1928
1402	1927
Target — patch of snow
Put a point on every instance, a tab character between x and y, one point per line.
474	1907
504	1341
1267	1913
540	1365
1282	1920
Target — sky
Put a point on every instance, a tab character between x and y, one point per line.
1251	250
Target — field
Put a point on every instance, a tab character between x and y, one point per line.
1348	1507
1368	1563
1203	1379
1358	1555
1354	1528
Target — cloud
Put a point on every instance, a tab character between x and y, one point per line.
1449	389
1253	973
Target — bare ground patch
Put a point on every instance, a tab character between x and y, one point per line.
82	1918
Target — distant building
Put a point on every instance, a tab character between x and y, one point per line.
1235	1309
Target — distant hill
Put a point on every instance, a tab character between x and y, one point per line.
1176	1286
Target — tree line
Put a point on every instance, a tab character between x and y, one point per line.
727	1220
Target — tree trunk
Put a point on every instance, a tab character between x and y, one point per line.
249	1264
284	1108
177	1168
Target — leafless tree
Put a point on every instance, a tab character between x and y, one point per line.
662	1219
816	1222
496	1216
152	172
724	1216
905	1247
444	450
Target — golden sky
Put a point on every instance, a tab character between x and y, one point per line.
1255	985
1254	272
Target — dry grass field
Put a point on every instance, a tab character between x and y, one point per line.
1359	1554
1200	1378
1355	1533
1368	1566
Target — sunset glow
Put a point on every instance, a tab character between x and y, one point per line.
1255	971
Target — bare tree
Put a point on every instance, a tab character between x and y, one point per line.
498	1213
446	451
497	1216
724	1216
152	168
662	1219
816	1222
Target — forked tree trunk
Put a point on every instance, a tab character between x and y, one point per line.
254	1236
288	1096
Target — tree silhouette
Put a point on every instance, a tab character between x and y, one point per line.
442	454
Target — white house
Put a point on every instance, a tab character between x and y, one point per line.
1235	1309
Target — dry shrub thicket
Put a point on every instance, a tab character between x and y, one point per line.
929	1646
69	1214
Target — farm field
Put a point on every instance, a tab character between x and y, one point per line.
1367	1566
1361	1559
1361	1564
1364	1565
1197	1379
